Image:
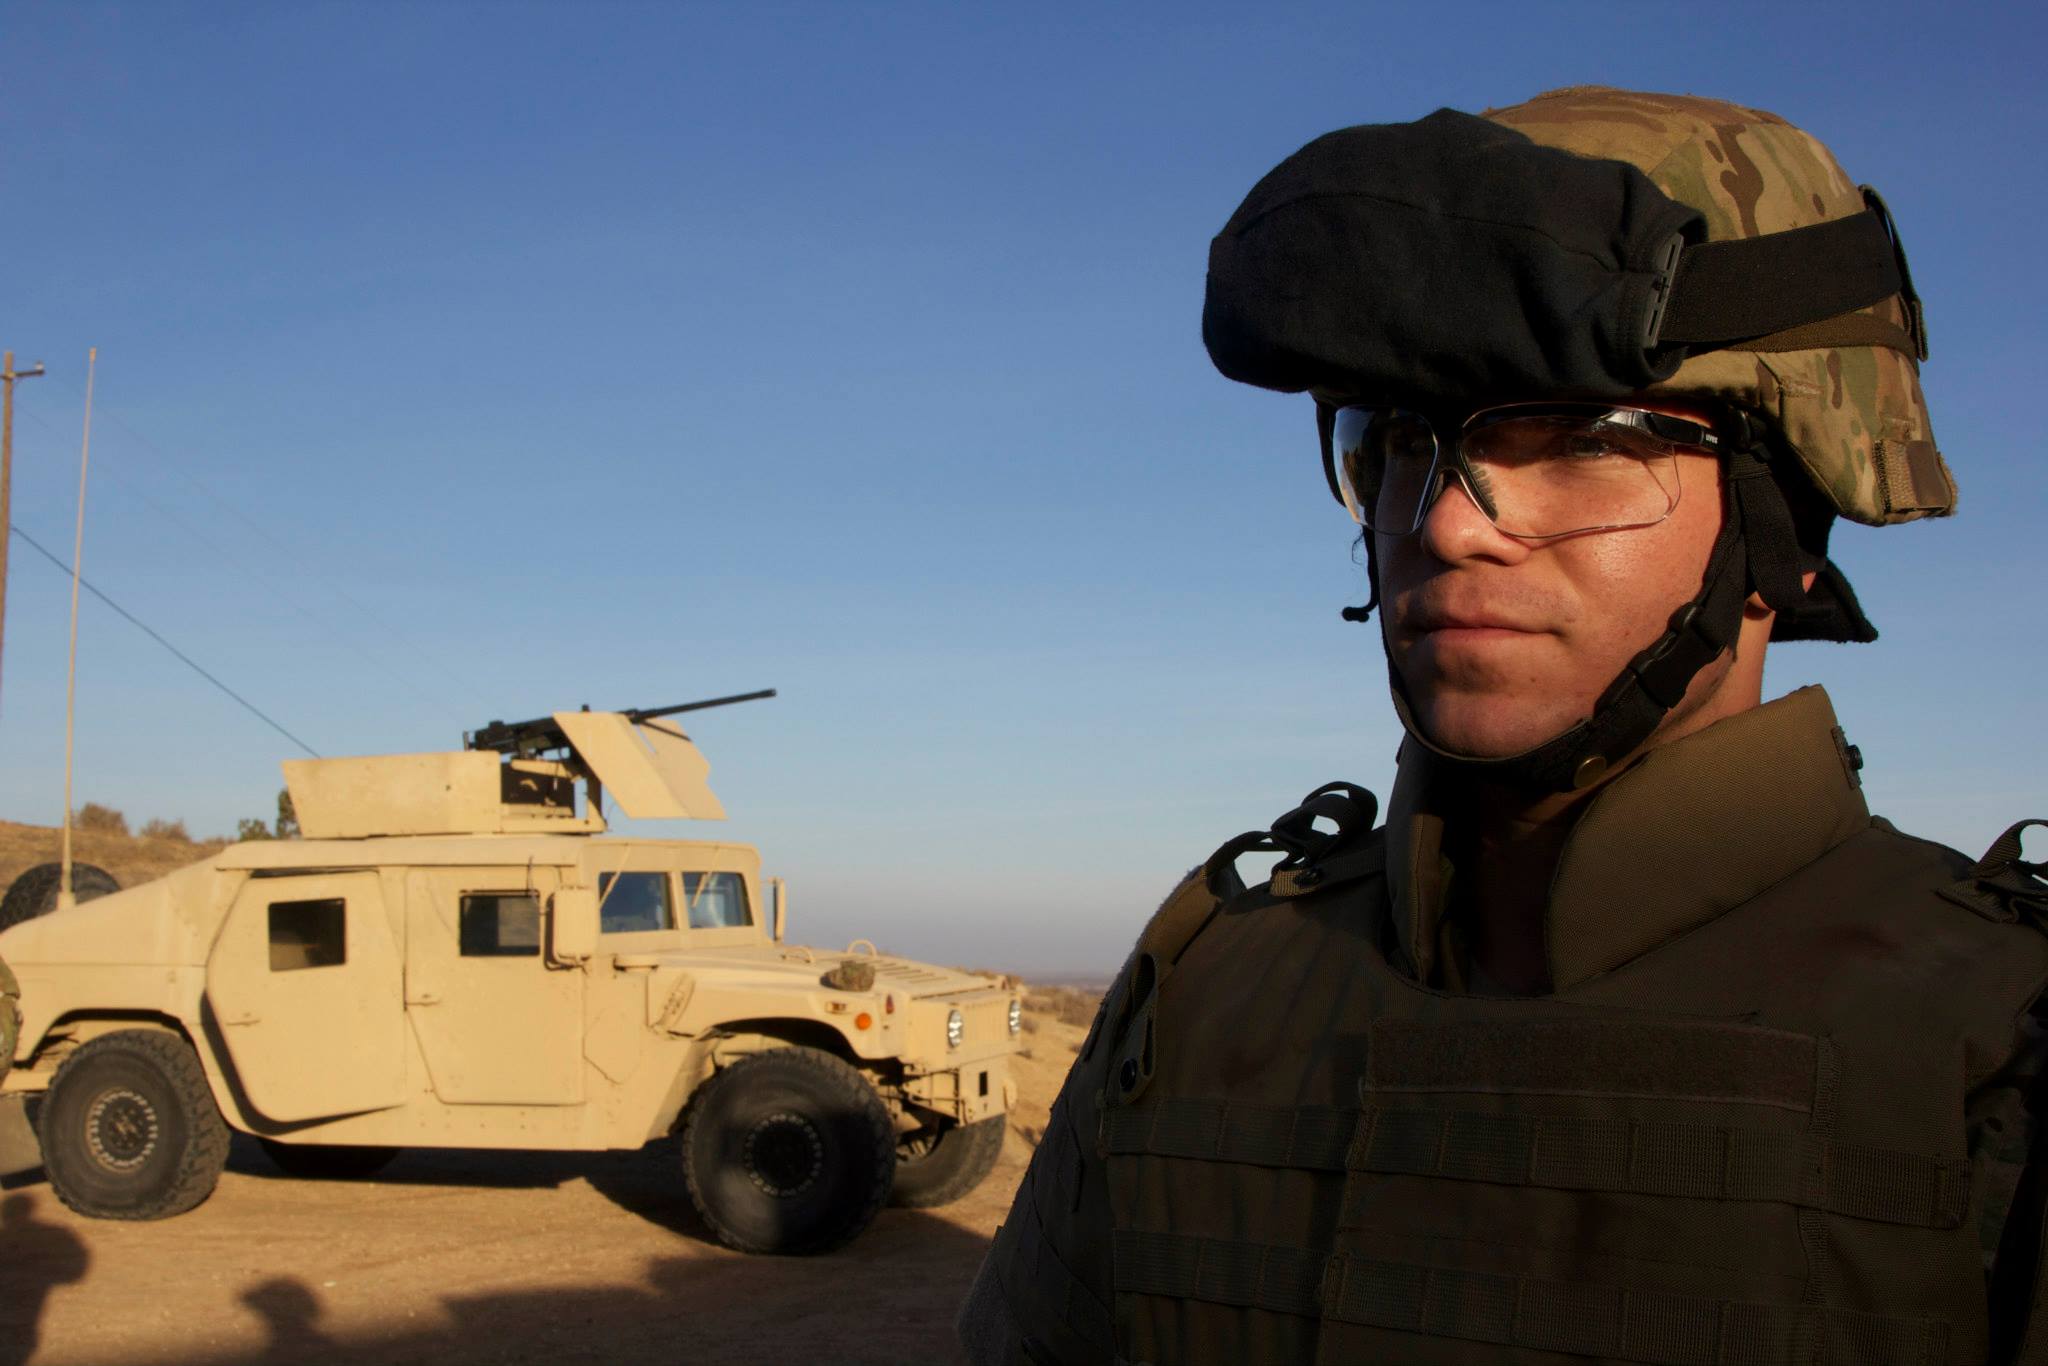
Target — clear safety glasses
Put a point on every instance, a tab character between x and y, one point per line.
1537	470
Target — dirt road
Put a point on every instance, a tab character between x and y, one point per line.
456	1257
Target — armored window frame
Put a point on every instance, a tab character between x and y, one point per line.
722	895
613	915
476	938
308	934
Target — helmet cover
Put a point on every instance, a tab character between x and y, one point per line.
1854	416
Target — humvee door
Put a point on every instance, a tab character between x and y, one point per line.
499	1024
306	986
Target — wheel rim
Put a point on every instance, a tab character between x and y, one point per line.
784	1154
121	1129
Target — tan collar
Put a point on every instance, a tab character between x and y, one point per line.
1691	830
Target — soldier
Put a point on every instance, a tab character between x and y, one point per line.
10	1016
1631	1035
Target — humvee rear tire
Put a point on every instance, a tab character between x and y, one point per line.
34	893
129	1129
788	1151
937	1167
327	1161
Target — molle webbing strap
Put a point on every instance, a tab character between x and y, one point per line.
1610	1322
1675	1059
1742	288
1687	1160
1307	1138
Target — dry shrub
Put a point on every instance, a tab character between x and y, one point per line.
166	830
104	820
1068	1005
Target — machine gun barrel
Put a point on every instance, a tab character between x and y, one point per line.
649	713
528	738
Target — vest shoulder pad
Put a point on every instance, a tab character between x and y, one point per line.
1179	919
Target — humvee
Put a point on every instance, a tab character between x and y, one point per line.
455	954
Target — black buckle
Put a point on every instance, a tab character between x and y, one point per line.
1661	282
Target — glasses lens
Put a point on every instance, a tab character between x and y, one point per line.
1555	470
1386	464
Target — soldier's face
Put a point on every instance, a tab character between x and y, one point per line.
1505	643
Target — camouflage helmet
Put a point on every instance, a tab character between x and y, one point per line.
1600	244
1852	414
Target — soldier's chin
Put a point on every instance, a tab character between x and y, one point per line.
1489	728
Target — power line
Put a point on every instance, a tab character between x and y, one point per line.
329	628
183	658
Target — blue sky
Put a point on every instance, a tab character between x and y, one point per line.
462	361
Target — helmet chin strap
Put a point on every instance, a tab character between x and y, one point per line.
1640	697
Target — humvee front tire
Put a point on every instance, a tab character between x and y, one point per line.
129	1129
327	1161
788	1151
938	1166
34	893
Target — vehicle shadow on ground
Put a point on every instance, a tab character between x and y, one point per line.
647	1182
482	1167
704	1310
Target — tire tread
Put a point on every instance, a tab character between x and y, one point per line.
852	1087
206	1151
981	1144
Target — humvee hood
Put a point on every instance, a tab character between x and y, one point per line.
807	966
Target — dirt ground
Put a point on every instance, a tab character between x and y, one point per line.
458	1257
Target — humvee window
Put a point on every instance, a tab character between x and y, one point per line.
308	934
715	900
634	902
500	925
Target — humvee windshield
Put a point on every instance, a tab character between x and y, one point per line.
715	900
634	902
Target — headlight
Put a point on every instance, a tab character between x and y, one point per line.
956	1029
1016	1016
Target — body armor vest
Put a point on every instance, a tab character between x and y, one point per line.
1743	1146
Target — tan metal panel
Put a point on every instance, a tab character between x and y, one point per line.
652	771
310	1039
495	1029
385	794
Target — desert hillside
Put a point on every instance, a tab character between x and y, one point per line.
130	858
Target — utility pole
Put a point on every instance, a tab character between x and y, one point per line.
7	378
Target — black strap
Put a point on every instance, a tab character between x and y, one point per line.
1640	695
1748	287
1346	806
1767	526
2003	886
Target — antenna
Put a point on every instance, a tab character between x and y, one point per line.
65	901
8	375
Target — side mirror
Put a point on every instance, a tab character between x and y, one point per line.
572	925
778	898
